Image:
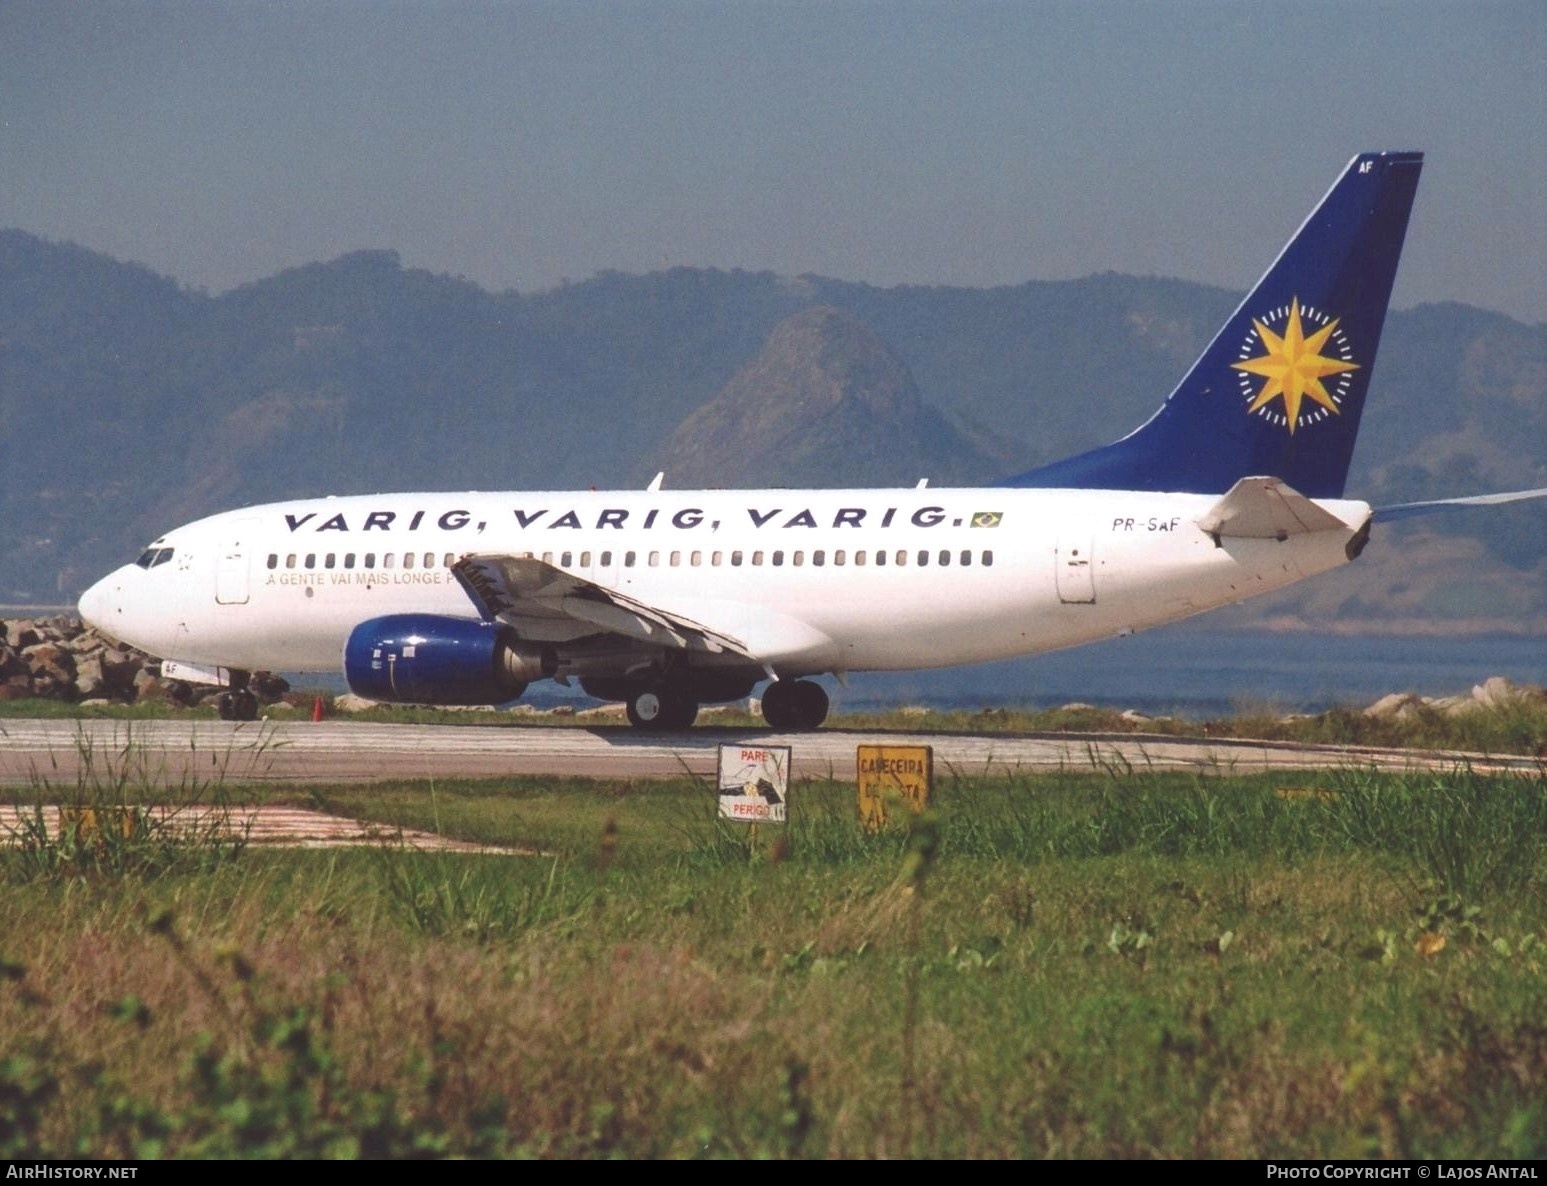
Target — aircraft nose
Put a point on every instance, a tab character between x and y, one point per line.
98	603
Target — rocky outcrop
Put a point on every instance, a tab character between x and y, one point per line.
1494	692
63	659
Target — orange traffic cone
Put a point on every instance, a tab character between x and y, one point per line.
317	709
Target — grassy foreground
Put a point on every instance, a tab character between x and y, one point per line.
1111	964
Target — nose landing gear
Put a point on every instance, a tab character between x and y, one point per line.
238	704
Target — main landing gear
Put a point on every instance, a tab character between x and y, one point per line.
794	704
788	704
661	708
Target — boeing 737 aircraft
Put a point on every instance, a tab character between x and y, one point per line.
669	599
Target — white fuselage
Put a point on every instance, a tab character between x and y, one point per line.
808	581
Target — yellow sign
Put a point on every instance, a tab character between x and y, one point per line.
892	773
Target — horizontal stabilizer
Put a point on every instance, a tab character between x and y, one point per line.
1265	508
1410	510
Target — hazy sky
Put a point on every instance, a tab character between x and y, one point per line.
520	144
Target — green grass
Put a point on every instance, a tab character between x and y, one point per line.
1102	964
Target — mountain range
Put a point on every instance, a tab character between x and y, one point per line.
129	404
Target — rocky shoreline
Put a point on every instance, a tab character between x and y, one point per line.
60	658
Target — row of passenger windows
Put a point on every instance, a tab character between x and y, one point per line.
368	560
819	557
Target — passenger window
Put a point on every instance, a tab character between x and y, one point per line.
798	559
628	560
547	557
945	557
655	559
819	558
715	559
370	560
988	559
429	560
880	558
388	560
838	556
757	558
311	560
566	559
778	559
735	559
349	559
676	559
330	560
408	559
902	558
585	559
290	560
606	560
966	555
923	558
696	559
449	559
273	559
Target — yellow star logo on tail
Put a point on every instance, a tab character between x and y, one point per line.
1293	367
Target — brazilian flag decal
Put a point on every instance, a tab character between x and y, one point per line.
986	518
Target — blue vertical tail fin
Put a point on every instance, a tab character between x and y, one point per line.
1279	391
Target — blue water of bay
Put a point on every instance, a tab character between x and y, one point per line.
1195	673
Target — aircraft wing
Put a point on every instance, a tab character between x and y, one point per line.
536	598
1266	508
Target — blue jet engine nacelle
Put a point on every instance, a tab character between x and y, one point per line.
430	659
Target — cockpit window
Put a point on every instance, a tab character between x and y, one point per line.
154	557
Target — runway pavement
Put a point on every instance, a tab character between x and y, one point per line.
62	751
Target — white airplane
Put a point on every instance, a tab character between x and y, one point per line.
666	599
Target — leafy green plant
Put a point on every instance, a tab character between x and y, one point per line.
480	901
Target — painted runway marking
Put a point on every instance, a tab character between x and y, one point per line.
270	827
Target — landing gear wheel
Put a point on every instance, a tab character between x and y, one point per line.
685	712
661	708
779	705
810	704
794	704
237	705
